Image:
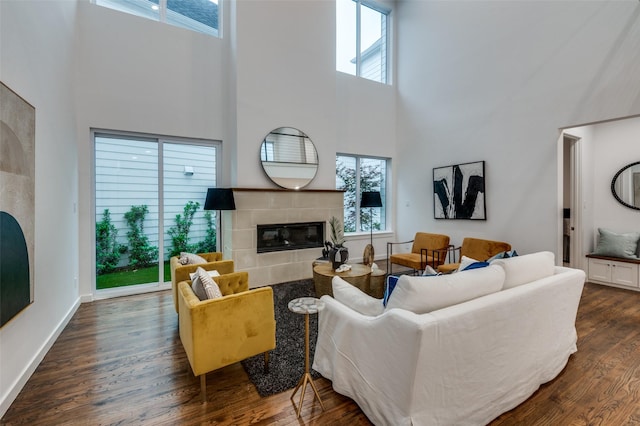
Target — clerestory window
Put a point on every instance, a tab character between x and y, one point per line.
196	15
362	39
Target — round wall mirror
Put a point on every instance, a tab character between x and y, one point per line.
289	158
625	185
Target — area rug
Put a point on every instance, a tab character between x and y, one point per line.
286	364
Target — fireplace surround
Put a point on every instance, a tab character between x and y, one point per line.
258	206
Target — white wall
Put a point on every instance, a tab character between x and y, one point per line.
495	81
142	77
37	41
285	76
615	144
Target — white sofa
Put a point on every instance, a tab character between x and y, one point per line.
506	329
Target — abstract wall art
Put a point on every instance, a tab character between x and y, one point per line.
459	191
17	203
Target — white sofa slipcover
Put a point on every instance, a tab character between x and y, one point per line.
461	365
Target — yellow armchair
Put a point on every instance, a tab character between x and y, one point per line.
219	332
475	248
181	272
427	249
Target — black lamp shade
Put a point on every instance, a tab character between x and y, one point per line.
219	199
370	199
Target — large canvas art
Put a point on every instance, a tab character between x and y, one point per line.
17	203
459	191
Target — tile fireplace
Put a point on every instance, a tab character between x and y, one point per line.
303	214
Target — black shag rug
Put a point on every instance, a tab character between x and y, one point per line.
286	363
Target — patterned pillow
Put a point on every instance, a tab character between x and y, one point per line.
191	259
210	286
213	273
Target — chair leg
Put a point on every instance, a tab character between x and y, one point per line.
266	362
203	387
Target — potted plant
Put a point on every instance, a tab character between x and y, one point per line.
338	254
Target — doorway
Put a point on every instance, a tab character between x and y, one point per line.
571	218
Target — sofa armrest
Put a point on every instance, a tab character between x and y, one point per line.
384	349
219	332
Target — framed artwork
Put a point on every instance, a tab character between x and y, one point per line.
459	192
17	203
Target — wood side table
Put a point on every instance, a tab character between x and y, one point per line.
359	276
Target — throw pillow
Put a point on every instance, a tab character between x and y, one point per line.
191	259
204	287
198	287
475	265
355	299
428	271
617	245
464	262
392	280
211	288
525	269
503	255
212	274
426	294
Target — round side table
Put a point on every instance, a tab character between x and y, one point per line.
358	276
306	306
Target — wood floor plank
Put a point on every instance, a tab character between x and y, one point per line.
120	362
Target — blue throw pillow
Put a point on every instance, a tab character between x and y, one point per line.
476	265
392	280
503	255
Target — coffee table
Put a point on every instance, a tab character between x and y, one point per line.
359	276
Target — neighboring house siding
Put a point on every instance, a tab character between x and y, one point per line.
122	182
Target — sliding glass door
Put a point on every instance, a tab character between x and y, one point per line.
149	198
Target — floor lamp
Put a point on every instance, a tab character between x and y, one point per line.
220	199
371	199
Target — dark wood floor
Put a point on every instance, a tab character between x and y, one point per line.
120	361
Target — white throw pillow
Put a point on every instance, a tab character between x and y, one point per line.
355	299
204	287
214	273
425	294
466	261
527	268
429	271
191	259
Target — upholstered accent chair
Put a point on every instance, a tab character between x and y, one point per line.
219	332
474	248
181	272
427	249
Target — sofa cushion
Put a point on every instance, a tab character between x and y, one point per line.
425	294
525	269
191	259
354	298
617	245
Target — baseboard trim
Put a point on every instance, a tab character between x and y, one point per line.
31	367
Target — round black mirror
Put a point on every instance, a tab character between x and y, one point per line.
289	157
625	185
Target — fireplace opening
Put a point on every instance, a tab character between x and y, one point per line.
290	236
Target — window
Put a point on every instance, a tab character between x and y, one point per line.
356	174
195	15
149	199
362	39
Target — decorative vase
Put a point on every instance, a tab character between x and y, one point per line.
338	256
